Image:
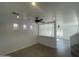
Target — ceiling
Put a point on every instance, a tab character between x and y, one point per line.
65	12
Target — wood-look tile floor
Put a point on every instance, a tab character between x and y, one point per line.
37	50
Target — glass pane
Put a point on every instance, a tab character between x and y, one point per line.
46	30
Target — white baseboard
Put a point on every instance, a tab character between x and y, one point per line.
47	44
19	48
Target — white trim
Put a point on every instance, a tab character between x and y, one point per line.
19	48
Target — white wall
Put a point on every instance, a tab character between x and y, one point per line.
69	31
68	21
12	40
48	41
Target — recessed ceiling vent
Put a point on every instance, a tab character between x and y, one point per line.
15	13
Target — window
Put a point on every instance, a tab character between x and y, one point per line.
46	30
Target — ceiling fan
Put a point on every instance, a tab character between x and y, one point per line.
37	21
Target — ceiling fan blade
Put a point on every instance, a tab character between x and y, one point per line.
47	22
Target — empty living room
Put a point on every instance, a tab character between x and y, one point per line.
39	29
